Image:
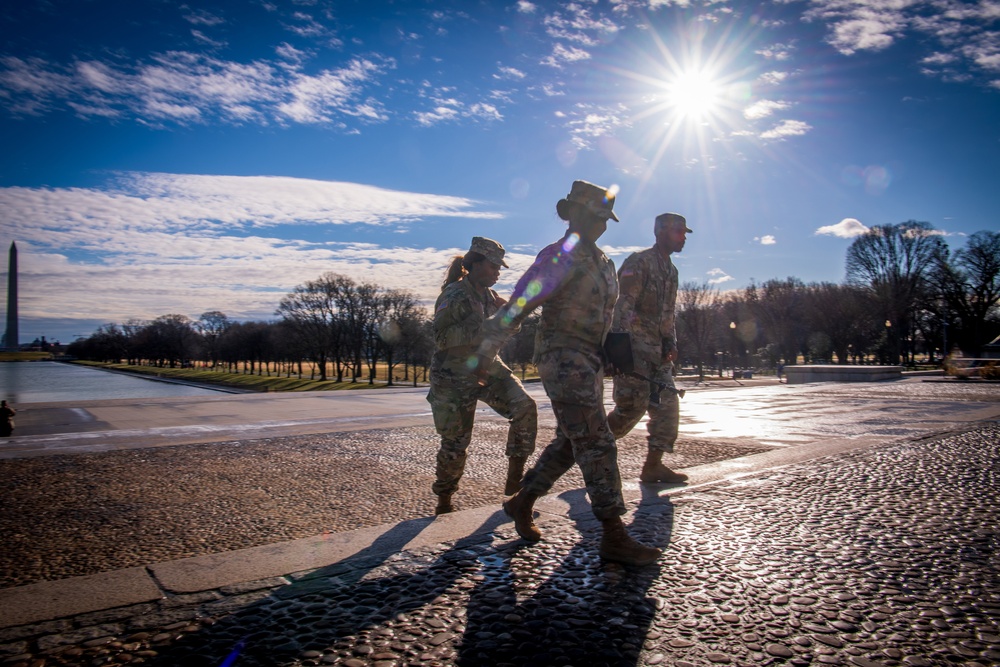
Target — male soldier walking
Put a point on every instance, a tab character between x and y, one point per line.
646	309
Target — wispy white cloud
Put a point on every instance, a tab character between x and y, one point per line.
966	43
776	52
845	229
190	243
508	73
202	17
451	109
577	24
786	128
773	78
185	87
718	276
587	123
563	55
764	108
767	239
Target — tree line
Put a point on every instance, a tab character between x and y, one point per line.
905	295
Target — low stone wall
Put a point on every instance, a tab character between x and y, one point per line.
836	373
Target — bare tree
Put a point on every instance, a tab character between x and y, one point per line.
130	330
778	307
840	314
169	339
967	286
697	323
893	262
374	306
311	310
520	349
401	313
211	325
416	344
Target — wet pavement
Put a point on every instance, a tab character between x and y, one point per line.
881	552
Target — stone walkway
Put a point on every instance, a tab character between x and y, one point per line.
882	552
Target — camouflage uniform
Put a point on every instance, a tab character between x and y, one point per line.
646	309
458	321
577	284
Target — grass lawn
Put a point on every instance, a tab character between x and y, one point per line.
25	356
261	383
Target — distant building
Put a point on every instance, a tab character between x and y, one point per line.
992	350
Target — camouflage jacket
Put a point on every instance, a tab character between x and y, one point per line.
459	314
646	306
576	285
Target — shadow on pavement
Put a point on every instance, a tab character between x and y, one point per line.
335	605
535	607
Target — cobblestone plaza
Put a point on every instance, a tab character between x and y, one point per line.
824	524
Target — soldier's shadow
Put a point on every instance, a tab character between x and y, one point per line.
535	607
343	600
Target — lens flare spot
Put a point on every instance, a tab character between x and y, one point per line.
519	188
877	179
570	242
566	154
521	301
472	362
534	289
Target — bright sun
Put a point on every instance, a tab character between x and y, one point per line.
694	94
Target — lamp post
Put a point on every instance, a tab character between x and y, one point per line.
888	340
732	330
944	345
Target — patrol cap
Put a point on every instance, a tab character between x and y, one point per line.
598	200
671	221
489	249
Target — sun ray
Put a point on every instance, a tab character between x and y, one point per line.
692	91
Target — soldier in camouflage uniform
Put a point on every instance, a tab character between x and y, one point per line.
646	310
576	286
466	300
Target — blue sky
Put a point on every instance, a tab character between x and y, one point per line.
178	158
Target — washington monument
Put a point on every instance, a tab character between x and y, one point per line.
10	337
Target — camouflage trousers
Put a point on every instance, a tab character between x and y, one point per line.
574	381
632	401
453	400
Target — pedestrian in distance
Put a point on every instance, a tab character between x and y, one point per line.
575	284
646	310
466	300
6	420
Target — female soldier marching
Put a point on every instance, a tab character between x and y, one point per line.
466	300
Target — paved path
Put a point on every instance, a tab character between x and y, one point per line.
866	535
765	412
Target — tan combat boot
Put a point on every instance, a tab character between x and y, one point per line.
520	508
515	471
444	505
654	472
618	546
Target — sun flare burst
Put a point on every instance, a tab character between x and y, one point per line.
694	94
691	85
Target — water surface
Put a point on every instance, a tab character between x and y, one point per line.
50	381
